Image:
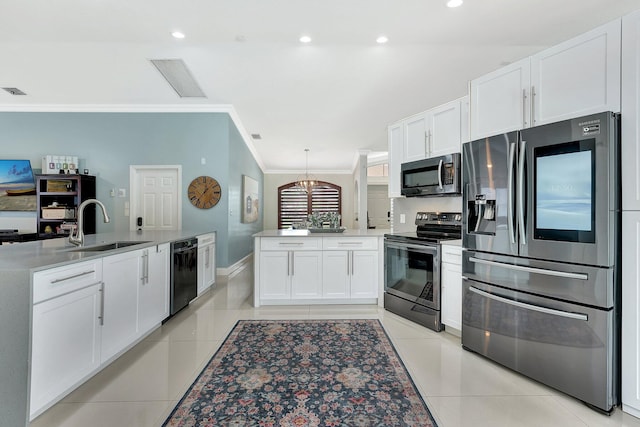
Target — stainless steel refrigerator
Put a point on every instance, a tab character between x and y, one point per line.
541	289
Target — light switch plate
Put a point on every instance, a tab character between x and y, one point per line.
122	192
403	218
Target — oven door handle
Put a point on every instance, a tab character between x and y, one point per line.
577	316
420	248
565	274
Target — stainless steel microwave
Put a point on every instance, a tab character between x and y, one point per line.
437	176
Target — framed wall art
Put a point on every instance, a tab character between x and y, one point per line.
250	199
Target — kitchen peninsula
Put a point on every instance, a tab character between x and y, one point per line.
95	289
299	267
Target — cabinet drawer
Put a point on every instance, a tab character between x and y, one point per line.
61	280
342	243
290	243
452	254
205	239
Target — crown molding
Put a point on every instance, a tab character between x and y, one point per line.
142	108
311	172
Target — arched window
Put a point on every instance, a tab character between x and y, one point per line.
294	204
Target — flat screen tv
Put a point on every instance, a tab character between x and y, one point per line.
17	186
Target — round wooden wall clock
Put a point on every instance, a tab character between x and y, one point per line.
204	192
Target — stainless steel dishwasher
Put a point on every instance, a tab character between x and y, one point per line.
184	273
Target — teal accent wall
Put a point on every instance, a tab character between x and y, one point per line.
108	143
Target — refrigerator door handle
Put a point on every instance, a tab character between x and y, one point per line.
565	274
510	225
440	174
578	316
521	193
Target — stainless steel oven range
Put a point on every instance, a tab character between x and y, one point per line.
412	267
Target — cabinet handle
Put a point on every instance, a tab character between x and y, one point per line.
291	243
348	264
350	243
293	264
426	144
524	108
63	279
353	270
533	105
101	317
206	260
145	268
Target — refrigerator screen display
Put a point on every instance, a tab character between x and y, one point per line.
564	191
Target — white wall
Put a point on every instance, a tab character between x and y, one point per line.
273	181
411	205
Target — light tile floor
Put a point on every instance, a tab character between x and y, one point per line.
461	388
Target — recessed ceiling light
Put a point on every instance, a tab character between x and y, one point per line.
382	39
305	39
177	35
454	3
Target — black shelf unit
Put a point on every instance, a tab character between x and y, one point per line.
77	189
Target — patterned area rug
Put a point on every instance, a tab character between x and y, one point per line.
303	373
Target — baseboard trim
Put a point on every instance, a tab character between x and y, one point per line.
237	267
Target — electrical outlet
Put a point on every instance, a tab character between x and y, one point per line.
403	218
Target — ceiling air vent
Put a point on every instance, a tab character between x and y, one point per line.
14	91
256	136
175	71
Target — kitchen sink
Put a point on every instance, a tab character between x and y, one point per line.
108	246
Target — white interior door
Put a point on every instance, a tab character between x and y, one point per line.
156	197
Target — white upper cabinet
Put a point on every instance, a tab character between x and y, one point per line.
395	133
444	133
578	77
428	134
499	100
415	138
630	116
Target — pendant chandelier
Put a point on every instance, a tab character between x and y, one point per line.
307	182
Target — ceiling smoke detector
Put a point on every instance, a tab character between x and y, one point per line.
175	71
14	91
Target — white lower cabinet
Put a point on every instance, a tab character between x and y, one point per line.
66	344
275	281
290	274
85	314
451	286
153	288
306	274
66	331
316	269
350	274
336	280
206	262
122	273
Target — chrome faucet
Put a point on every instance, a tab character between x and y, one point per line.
77	238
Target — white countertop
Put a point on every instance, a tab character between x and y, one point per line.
42	254
304	233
